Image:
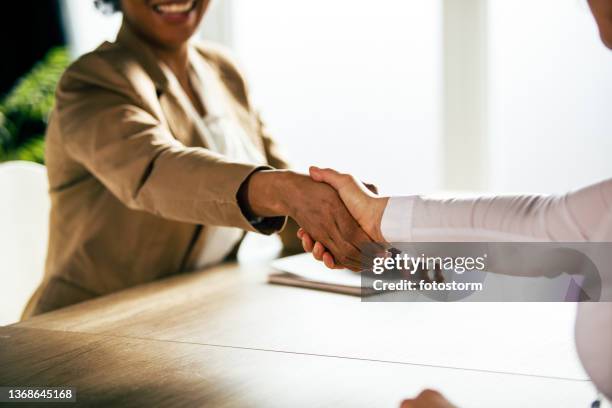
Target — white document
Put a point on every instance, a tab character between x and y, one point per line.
306	267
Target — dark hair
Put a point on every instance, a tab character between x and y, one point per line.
108	6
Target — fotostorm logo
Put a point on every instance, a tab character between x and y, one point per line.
488	272
412	264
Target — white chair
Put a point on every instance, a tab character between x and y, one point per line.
24	214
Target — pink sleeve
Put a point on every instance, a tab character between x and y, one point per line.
578	216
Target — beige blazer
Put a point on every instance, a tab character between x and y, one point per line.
132	183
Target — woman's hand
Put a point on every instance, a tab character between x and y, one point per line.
363	204
428	399
317	249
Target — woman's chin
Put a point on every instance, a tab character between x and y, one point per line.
605	31
174	40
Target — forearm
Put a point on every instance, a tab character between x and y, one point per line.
526	218
183	184
577	216
475	219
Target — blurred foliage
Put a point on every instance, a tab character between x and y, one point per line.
25	109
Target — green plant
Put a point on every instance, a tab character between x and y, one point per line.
25	109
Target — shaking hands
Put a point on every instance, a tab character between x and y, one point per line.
337	214
315	206
362	203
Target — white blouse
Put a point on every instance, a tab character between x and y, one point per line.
584	215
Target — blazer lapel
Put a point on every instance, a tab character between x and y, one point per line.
172	100
179	115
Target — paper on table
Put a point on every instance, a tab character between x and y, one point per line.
306	267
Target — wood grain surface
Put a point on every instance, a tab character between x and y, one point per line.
116	371
232	305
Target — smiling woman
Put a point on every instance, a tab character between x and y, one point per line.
158	163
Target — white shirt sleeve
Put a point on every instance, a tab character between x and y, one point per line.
574	217
396	223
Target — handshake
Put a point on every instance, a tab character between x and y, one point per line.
337	213
362	202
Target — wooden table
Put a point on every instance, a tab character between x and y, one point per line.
224	337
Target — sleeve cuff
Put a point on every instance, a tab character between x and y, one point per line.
262	225
269	226
396	223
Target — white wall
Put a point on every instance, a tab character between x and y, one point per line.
357	85
550	96
86	26
217	25
352	84
465	141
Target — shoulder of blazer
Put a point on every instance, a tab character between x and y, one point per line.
225	64
109	68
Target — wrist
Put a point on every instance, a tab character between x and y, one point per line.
379	206
268	193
